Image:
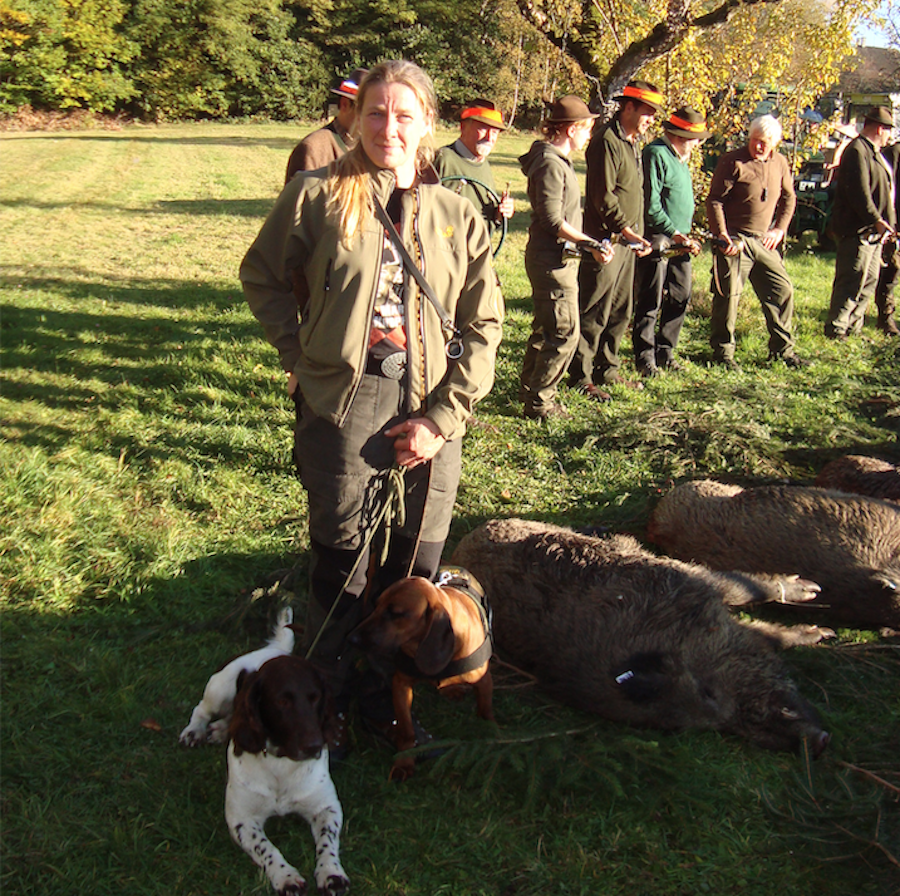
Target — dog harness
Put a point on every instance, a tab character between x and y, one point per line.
462	580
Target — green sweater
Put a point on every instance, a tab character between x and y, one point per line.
668	190
449	163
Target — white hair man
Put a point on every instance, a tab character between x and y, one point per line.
750	204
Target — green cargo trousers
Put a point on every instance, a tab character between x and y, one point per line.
554	330
766	272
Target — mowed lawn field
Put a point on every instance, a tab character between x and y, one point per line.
149	509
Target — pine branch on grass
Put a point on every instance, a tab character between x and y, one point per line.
568	758
848	815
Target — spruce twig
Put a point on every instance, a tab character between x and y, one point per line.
871	775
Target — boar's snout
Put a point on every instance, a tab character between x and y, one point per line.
818	743
789	722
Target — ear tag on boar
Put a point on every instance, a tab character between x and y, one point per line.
644	678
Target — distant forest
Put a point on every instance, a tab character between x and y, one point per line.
182	59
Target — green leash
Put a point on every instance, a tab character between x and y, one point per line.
393	510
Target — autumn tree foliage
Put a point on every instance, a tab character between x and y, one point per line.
718	55
164	59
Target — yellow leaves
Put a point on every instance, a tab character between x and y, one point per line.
12	25
794	48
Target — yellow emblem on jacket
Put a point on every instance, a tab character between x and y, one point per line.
447	232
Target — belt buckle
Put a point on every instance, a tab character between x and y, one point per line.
394	366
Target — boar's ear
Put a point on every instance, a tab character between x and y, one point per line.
642	678
436	648
888	578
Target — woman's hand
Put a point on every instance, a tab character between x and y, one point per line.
416	441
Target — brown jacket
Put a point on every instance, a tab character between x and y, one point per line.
318	149
750	196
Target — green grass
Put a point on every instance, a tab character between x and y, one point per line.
147	502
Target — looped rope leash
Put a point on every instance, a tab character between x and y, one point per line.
394	510
392	513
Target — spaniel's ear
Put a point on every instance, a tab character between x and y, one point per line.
436	648
246	728
327	712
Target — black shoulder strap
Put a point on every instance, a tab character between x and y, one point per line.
454	346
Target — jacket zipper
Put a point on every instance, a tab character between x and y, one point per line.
420	253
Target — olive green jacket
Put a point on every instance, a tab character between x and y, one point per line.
324	342
614	189
449	163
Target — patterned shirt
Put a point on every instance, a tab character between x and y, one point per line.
388	334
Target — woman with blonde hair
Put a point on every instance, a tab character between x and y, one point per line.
383	375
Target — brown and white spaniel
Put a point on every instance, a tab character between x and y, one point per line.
278	764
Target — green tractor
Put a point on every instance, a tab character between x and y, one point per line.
814	186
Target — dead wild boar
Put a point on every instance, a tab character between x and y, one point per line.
848	544
861	475
612	629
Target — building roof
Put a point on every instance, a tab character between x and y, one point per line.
871	70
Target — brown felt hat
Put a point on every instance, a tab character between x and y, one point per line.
484	112
349	87
880	115
688	123
642	92
569	108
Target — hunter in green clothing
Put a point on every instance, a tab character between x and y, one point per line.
663	283
480	125
381	402
614	206
668	188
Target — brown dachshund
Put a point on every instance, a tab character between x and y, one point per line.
436	632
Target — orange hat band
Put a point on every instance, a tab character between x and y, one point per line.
694	127
492	115
645	96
